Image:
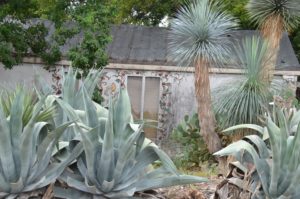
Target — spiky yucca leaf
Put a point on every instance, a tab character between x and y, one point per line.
26	149
116	163
277	167
199	31
287	10
244	101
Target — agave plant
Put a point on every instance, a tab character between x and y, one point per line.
276	169
117	160
245	101
72	94
30	99
26	149
198	36
273	18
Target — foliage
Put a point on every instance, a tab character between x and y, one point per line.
276	161
238	9
17	40
91	19
72	95
288	10
295	39
206	27
97	96
285	96
116	162
195	152
149	12
26	149
246	100
29	101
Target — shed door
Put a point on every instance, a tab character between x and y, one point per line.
144	97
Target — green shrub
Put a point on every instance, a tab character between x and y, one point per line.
194	149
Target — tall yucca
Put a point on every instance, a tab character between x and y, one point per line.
274	17
198	36
246	100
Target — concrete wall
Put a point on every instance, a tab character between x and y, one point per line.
183	98
23	74
177	97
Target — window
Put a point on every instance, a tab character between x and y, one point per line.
144	95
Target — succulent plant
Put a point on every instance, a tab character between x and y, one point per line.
26	149
117	160
72	95
274	170
30	99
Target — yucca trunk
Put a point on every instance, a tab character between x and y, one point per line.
272	30
206	115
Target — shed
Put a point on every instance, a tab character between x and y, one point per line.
158	88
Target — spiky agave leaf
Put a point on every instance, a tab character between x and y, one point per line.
73	94
116	165
244	101
199	30
30	99
287	10
280	170
26	150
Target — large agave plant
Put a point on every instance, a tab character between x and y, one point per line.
26	149
276	171
117	160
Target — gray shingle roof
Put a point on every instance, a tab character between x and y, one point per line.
148	45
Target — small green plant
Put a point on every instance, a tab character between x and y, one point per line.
285	97
195	152
97	96
270	161
30	99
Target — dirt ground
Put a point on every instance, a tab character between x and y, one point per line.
203	190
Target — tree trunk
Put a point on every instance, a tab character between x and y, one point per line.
272	30
205	113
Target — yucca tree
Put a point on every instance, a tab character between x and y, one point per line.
198	36
246	100
274	17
